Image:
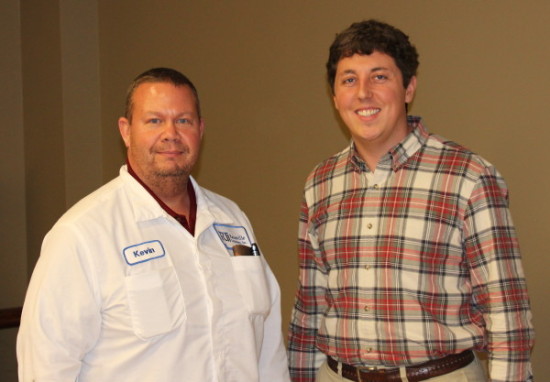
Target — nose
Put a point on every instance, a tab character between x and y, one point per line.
170	132
364	90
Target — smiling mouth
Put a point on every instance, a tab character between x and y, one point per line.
368	112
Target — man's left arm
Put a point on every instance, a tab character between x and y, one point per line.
498	281
273	364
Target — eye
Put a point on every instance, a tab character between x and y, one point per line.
380	77
348	81
154	121
184	121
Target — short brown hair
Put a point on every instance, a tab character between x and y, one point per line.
368	36
159	75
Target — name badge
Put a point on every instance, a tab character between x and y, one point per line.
231	235
140	253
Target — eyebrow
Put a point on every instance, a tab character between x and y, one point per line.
375	69
155	113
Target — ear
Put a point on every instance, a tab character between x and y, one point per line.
334	101
124	129
410	90
201	127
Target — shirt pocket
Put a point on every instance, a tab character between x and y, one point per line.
156	302
252	284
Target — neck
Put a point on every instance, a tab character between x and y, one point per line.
372	151
371	157
172	191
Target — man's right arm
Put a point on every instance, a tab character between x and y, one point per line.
61	318
310	304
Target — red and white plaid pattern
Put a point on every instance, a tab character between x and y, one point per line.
410	263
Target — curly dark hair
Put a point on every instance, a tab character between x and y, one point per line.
159	75
368	36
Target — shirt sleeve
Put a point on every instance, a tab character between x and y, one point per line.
61	317
499	286
310	305
273	363
272	359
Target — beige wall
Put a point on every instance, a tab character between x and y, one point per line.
483	82
13	278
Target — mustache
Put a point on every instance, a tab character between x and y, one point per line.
184	149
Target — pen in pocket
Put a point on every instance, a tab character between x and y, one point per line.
243	250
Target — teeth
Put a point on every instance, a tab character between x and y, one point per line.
368	112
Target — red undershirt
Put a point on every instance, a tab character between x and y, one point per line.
189	225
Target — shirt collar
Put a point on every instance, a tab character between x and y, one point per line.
398	155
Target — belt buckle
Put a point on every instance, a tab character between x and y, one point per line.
358	371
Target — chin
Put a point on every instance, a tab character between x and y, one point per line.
173	171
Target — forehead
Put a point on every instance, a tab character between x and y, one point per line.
159	89
150	94
360	62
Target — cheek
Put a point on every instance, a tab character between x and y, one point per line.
143	143
196	142
193	136
341	101
395	98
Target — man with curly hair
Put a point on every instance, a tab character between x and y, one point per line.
409	261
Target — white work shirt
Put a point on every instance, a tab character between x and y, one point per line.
122	292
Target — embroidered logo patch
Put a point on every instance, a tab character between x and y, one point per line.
142	252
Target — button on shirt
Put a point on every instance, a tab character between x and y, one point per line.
414	261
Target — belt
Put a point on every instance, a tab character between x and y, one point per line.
415	373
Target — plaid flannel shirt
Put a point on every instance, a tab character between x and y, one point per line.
413	262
